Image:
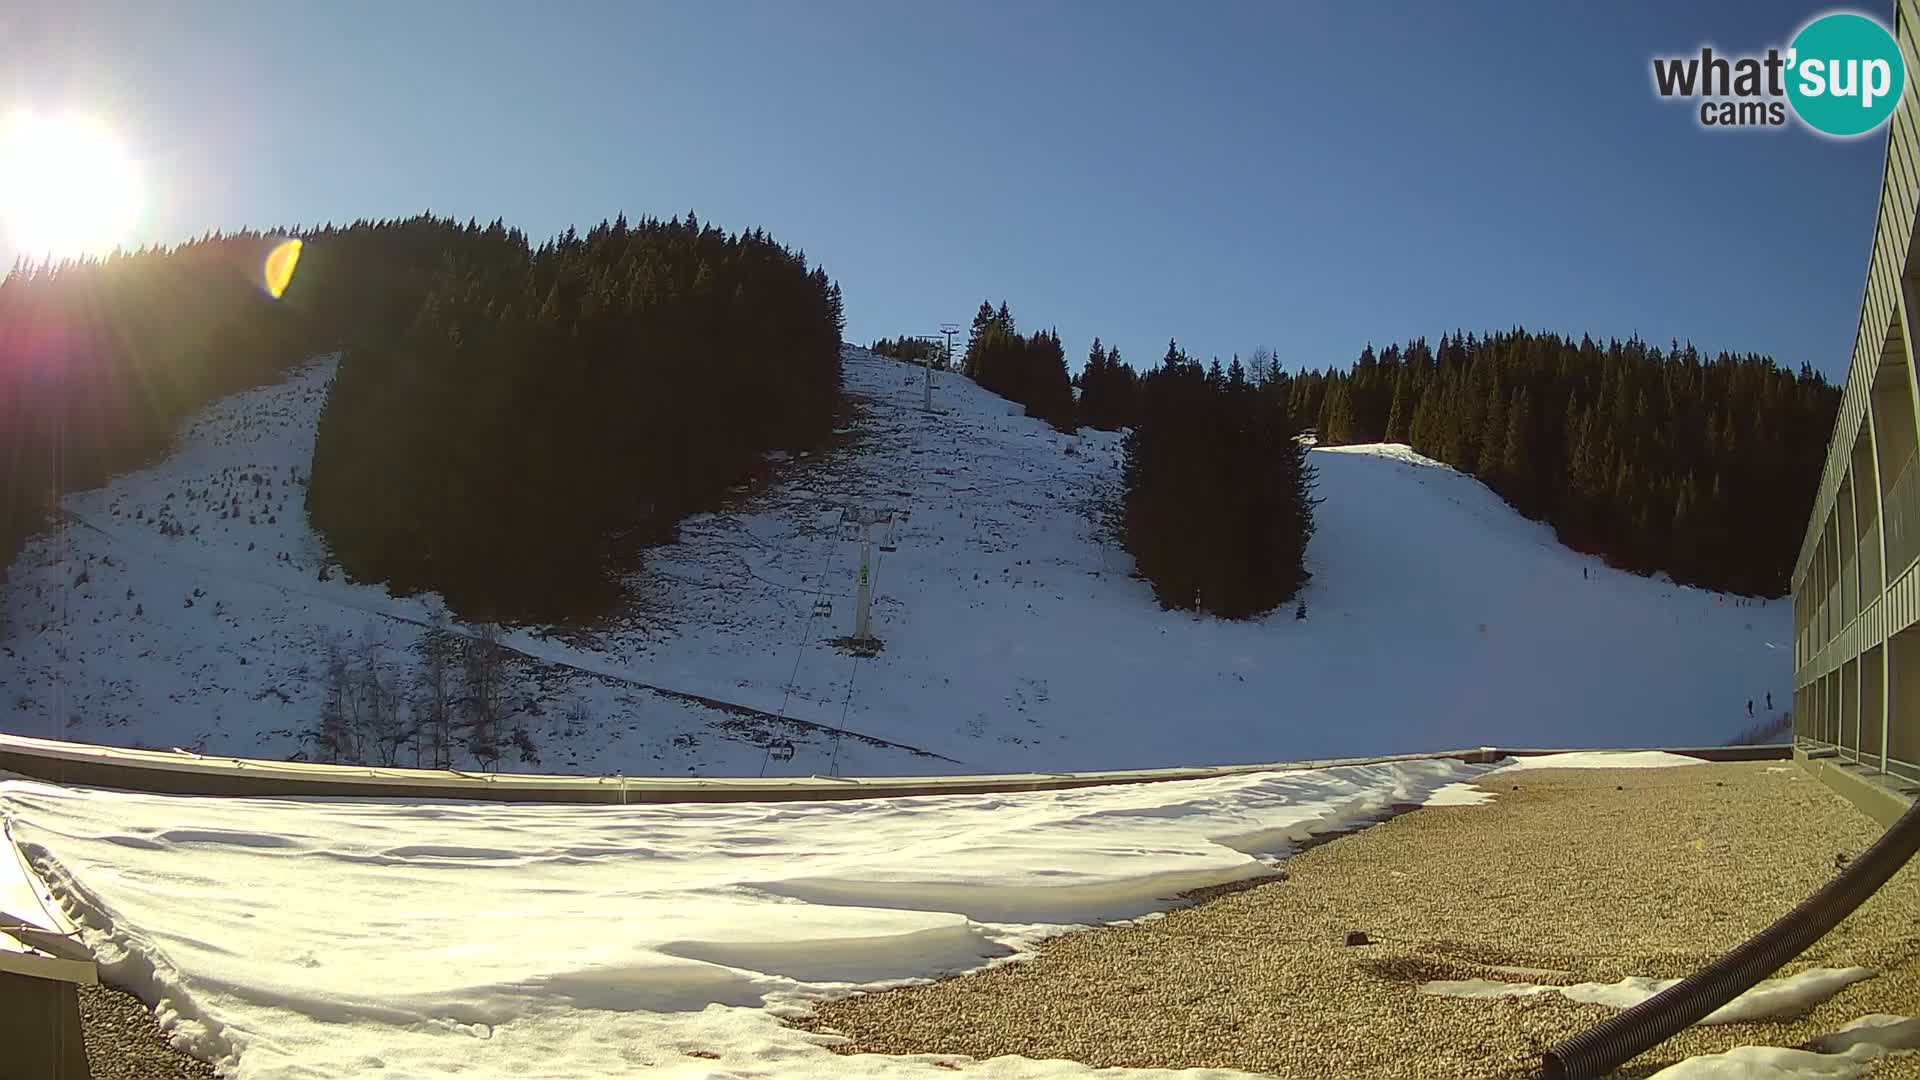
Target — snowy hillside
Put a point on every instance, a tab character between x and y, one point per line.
1014	639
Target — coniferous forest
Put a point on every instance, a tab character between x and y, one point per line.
1028	369
547	413
1657	460
916	350
509	425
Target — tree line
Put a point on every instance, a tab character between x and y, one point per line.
1030	369
1658	460
911	349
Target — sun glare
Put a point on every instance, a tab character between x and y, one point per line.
67	186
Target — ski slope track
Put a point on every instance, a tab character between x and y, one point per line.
1015	637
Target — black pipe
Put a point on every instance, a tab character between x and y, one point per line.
1621	1038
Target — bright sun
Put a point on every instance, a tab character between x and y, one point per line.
67	186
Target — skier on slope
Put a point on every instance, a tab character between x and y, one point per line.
1749	708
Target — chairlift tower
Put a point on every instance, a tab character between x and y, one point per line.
857	524
948	329
926	401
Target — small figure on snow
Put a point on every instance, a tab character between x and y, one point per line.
1300	612
1583	573
1769	701
1749	708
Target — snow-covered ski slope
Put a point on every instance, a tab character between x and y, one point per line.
1437	616
1015	639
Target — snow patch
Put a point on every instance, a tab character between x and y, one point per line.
1601	759
1459	795
1764	1063
1893	1034
295	938
1842	1054
1772	999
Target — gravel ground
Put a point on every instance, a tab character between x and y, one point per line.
1589	874
124	1043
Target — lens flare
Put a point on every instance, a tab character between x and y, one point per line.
279	269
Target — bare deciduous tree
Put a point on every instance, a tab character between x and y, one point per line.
1262	367
433	703
482	677
378	687
335	738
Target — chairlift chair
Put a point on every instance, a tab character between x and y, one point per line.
822	606
781	750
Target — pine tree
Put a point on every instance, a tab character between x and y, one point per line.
1400	416
1049	393
1516	460
1491	458
1336	416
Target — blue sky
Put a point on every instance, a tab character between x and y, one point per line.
1304	176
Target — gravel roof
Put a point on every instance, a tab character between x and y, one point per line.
1586	874
124	1043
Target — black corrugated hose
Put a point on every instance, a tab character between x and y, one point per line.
1609	1044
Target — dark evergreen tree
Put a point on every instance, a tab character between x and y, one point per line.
1049	392
1336	426
1400	414
1108	390
1217	506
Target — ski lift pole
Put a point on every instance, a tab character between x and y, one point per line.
864	598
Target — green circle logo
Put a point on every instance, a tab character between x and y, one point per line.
1845	74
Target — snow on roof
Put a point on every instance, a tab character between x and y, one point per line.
1600	759
318	937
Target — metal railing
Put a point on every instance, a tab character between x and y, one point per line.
180	773
1901	518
